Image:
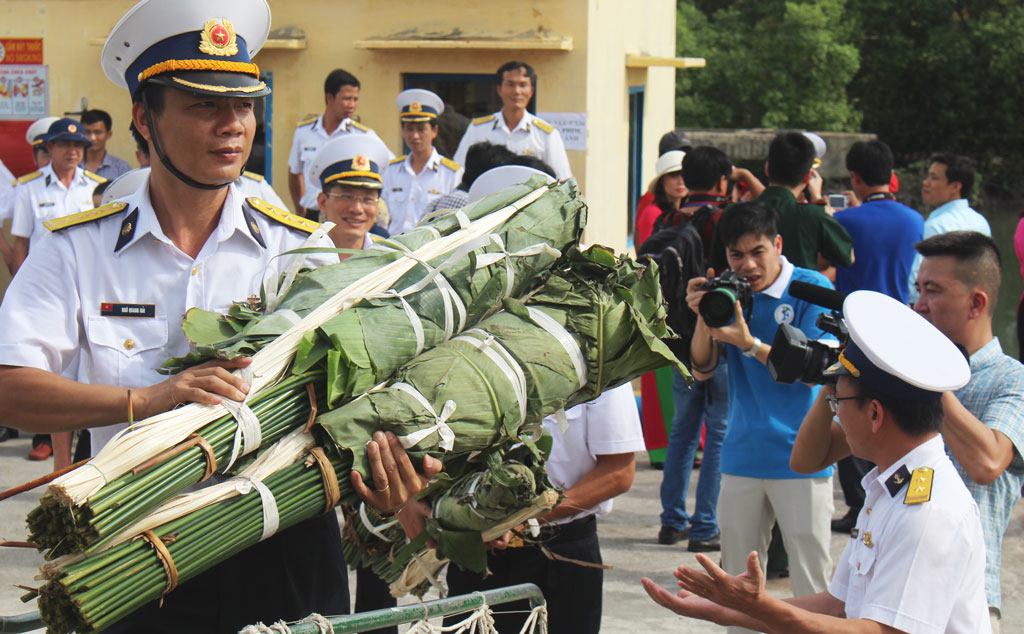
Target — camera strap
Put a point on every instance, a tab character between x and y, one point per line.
879	196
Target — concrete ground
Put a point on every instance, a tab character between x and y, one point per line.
628	538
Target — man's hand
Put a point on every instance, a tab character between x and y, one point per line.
737	333
742	593
205	384
814	185
851	198
395	480
685	603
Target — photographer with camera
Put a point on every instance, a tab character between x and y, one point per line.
915	560
743	310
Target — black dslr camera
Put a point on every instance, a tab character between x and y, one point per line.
793	356
717	305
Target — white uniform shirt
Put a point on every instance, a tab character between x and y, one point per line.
609	424
54	308
532	135
307	141
407	194
45	197
7	183
916	567
250	185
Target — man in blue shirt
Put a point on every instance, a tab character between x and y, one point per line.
758	486
948	187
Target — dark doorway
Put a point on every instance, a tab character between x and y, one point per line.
636	148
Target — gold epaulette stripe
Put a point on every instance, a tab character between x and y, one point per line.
83	217
26	178
544	125
450	164
361	126
95	177
253	175
480	120
307	120
397	159
281	216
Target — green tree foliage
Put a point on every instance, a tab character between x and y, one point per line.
772	63
944	76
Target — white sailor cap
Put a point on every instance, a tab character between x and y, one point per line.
36	132
819	147
498	178
199	46
358	160
417	104
897	352
125	185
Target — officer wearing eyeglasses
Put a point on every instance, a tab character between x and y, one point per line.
915	560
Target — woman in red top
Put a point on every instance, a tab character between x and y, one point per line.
668	189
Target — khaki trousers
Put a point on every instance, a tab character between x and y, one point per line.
747	509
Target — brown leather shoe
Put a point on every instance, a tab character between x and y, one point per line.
40	452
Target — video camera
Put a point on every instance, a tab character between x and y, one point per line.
795	358
717	305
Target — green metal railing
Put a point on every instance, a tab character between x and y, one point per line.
418	611
366	620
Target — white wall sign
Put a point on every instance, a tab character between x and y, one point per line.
24	91
572	126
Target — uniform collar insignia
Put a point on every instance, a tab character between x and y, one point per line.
127	230
897	480
250	223
48	179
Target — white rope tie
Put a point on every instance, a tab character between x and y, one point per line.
426	573
486	343
414	320
558	331
375	530
447	436
271	516
248	432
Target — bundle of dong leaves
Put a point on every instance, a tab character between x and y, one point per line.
538	333
357	349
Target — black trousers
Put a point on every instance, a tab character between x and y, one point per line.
573	592
373	594
299	571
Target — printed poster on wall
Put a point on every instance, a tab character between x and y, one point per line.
24	91
571	125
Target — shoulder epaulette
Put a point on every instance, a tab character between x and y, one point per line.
544	125
480	120
83	217
362	127
308	120
375	238
95	177
920	489
397	159
253	176
450	164
26	178
281	216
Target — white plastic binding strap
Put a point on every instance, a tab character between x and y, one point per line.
375	529
486	343
447	436
414	320
248	433
556	330
487	259
291	268
289	314
271	518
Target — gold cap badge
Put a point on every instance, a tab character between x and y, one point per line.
218	38
415	107
72	128
361	163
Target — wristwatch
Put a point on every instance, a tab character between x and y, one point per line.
752	351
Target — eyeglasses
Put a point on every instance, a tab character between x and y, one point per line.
365	201
833	401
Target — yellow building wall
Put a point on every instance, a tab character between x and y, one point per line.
590	78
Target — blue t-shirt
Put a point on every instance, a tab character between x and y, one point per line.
764	416
884	233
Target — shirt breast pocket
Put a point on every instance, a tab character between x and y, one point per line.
126	351
862	564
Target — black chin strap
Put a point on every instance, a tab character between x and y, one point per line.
166	161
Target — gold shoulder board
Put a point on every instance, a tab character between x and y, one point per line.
480	120
544	125
308	120
920	489
361	126
26	178
281	216
450	164
83	217
397	159
254	176
95	177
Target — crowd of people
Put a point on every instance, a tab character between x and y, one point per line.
106	260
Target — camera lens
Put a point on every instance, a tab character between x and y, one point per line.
716	307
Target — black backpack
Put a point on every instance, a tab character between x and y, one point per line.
677	247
